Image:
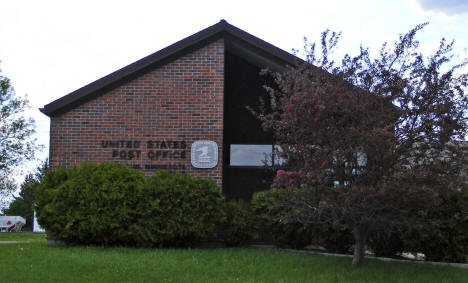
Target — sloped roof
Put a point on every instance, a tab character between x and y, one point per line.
236	41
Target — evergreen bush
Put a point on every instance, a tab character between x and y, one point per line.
91	204
446	238
335	240
180	210
272	220
111	204
385	244
238	228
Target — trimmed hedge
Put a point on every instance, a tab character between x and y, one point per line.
270	220
110	204
238	228
447	238
91	204
180	210
335	240
385	244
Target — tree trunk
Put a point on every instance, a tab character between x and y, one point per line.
359	245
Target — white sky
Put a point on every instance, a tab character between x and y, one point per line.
51	48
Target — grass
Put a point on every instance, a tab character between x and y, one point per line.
23	237
34	261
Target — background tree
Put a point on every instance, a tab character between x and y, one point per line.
381	134
16	142
23	204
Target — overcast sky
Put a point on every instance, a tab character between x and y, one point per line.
51	48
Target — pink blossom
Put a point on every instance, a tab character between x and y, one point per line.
280	173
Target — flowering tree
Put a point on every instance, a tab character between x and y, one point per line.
382	134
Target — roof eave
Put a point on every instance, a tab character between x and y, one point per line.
160	57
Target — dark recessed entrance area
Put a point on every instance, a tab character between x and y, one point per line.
246	145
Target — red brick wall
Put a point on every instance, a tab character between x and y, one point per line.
177	103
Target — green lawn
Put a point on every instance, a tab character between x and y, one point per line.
23	237
34	261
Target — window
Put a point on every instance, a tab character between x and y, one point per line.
254	155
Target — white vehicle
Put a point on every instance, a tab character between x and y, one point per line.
9	223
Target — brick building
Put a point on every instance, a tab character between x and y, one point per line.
182	108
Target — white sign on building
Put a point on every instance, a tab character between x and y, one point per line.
204	154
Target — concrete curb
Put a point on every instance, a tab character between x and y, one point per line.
452	264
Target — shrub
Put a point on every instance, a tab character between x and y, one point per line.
272	220
447	238
91	204
238	227
386	244
180	210
110	204
335	240
291	235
